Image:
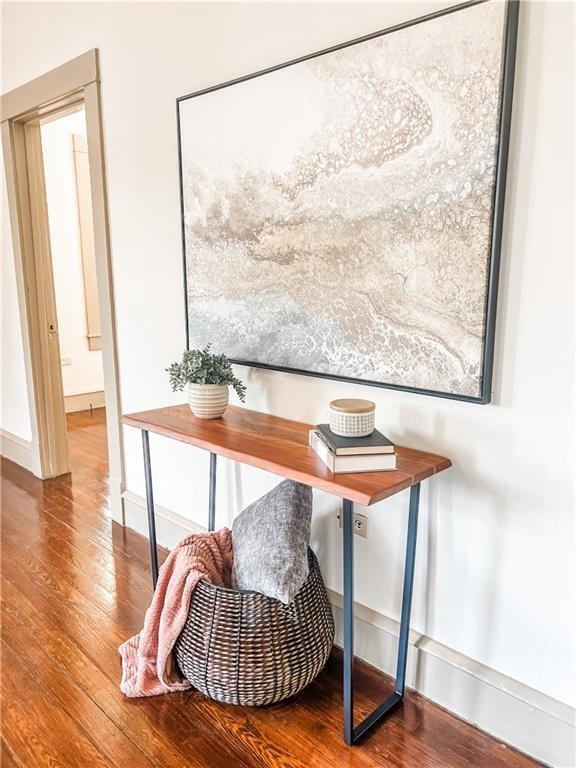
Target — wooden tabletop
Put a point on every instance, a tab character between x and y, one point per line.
281	446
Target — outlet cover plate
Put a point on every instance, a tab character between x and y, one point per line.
360	523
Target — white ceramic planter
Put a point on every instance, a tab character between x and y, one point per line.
207	401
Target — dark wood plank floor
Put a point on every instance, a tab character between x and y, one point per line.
75	585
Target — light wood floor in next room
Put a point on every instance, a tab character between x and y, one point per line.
75	585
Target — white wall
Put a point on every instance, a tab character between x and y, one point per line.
83	373
495	571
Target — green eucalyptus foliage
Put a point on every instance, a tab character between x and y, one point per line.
199	366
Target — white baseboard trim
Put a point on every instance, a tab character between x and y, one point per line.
170	527
116	500
20	451
83	400
510	711
518	715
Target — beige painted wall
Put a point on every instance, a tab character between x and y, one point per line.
495	571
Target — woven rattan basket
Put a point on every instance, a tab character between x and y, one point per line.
246	648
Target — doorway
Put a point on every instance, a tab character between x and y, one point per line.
55	182
69	209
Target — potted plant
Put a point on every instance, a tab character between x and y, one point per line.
206	378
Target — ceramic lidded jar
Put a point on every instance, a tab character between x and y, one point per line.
207	401
352	418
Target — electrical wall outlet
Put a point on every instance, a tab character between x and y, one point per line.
360	523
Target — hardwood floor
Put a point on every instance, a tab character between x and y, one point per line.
75	585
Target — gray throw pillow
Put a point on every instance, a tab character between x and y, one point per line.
270	541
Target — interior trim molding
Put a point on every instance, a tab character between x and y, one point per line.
509	710
20	451
53	94
520	716
170	527
82	401
54	85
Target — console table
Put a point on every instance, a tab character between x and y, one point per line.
281	446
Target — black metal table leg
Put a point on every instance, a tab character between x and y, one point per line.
212	494
348	555
407	591
353	734
150	507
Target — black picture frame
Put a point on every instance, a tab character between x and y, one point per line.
497	214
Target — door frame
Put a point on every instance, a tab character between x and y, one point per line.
65	88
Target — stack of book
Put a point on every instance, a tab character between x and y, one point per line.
374	453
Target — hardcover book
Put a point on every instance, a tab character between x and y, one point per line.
353	446
342	464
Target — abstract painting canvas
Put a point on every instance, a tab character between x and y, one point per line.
341	214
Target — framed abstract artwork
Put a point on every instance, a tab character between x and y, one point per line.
342	213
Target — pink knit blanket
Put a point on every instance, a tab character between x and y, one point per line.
148	666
